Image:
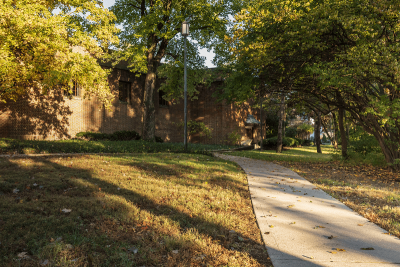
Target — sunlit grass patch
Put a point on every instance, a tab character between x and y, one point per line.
297	154
127	210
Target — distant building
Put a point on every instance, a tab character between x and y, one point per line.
61	115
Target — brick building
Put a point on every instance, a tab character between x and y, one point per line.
56	116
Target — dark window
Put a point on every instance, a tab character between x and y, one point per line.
75	90
161	100
123	91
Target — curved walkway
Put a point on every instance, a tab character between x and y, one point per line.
303	226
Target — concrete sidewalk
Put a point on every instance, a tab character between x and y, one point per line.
303	226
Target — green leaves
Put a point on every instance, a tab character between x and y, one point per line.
44	50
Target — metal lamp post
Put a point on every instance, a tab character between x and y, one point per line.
185	33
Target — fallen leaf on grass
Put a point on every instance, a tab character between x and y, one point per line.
23	255
341	249
133	249
66	210
360	224
266	233
290	206
333	252
367	249
271	226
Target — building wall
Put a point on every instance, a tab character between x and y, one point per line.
53	116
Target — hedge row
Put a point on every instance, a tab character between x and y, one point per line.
116	136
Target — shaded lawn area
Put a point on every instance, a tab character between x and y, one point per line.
14	146
158	209
364	184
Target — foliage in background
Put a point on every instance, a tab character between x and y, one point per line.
362	142
233	138
43	50
305	129
286	141
291	132
348	57
194	127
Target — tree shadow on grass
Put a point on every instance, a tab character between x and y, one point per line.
179	173
108	225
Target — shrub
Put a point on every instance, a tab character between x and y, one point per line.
300	141
291	132
159	139
93	136
287	141
194	127
233	138
117	136
365	144
307	142
124	136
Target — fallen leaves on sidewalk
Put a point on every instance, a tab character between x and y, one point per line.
373	192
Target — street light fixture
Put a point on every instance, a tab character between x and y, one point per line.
185	33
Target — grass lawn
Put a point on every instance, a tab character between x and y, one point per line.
160	209
298	154
363	183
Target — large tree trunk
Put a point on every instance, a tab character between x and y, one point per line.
149	109
335	131
317	131
346	122
331	137
342	132
280	125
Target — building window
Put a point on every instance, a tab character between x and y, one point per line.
124	89
74	91
161	100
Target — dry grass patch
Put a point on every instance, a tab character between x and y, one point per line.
127	210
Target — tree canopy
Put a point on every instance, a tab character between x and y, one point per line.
49	44
345	53
152	34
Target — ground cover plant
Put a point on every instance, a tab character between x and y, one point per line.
13	146
160	209
364	183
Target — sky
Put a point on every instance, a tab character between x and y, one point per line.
203	52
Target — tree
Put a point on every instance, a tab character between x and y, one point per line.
317	130
44	49
152	33
342	52
279	141
305	129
